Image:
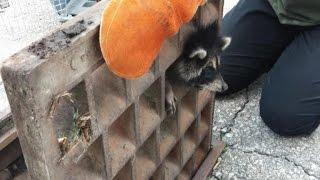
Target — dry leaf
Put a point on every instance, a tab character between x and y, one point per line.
84	124
63	144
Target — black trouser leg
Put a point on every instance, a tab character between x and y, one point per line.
290	102
257	41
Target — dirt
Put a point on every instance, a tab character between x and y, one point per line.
6	125
76	29
57	41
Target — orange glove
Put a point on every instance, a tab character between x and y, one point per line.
132	31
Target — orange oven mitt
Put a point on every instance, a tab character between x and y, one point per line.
132	31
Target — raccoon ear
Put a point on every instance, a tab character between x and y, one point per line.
201	53
226	42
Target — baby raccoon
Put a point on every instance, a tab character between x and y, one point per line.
198	65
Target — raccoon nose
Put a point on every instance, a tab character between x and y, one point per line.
224	86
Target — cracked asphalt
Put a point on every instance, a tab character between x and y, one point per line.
253	151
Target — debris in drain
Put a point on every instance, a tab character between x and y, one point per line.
81	128
57	100
71	119
84	124
63	144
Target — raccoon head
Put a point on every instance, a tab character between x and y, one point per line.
211	78
201	49
208	76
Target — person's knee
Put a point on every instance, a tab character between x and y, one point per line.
285	120
237	79
232	87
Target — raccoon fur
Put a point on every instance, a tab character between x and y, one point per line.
198	64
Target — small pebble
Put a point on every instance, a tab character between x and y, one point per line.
232	176
228	135
218	175
225	130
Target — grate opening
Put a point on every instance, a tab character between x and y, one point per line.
168	135
71	118
109	95
150	109
187	111
121	140
189	143
145	161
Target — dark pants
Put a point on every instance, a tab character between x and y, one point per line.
290	102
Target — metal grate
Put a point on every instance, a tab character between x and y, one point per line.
59	5
76	119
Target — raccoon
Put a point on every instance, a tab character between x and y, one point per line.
198	65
